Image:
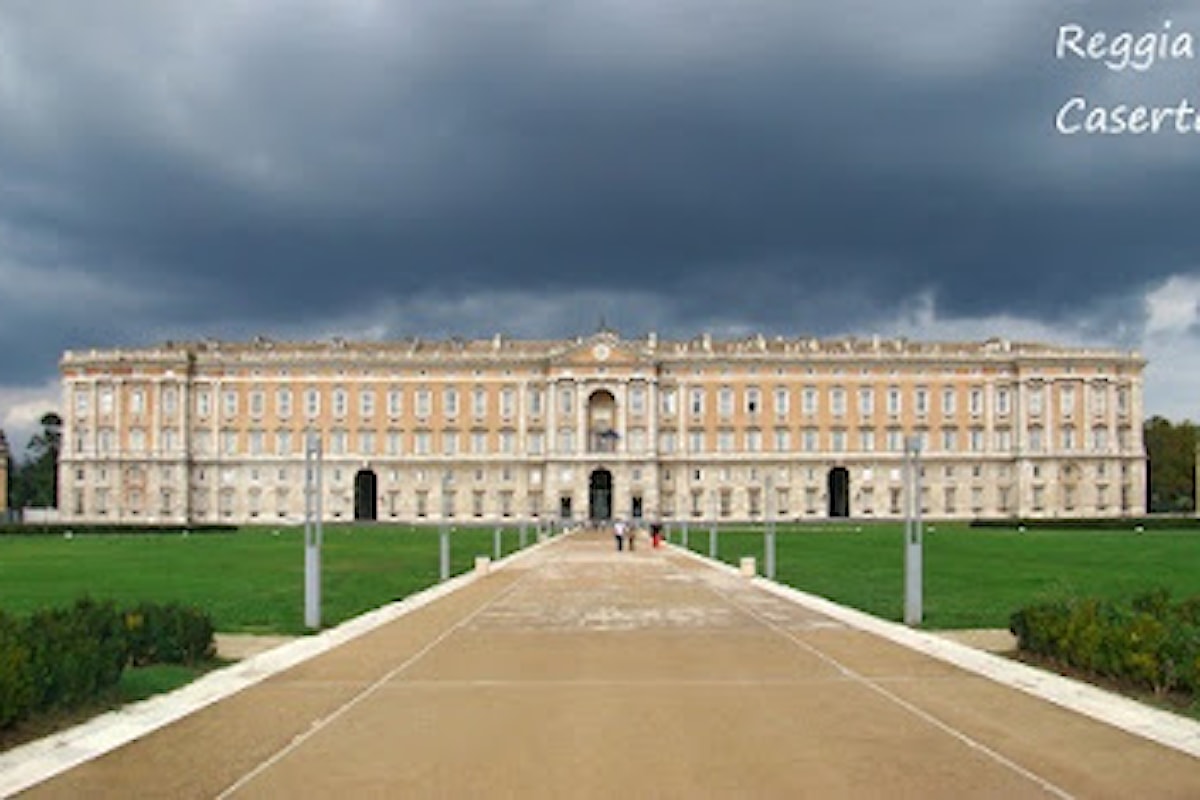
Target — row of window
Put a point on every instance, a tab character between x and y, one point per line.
505	442
449	504
752	401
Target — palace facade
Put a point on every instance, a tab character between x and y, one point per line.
598	427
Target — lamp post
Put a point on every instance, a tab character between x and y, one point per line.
444	528
769	533
913	545
313	533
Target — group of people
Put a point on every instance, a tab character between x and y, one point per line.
626	534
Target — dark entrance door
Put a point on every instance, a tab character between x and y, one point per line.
365	495
839	492
600	495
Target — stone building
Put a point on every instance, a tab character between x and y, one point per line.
599	426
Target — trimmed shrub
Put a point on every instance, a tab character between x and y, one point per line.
77	652
1149	642
168	634
65	658
17	689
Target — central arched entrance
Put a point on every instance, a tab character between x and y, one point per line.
600	495
365	493
602	422
839	492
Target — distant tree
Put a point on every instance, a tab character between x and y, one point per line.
35	480
1171	477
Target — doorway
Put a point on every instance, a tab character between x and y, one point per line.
839	492
600	488
365	496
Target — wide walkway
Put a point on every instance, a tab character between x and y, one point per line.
582	672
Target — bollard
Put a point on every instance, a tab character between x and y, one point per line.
749	569
483	565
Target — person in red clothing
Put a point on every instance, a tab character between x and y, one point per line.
656	533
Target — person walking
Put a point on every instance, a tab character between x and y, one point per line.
619	534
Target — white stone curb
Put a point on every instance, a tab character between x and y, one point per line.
1168	729
32	763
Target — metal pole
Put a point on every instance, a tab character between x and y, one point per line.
712	526
684	535
523	534
496	544
769	535
444	528
913	545
313	533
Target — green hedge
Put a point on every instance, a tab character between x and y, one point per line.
63	528
65	658
1093	523
1149	642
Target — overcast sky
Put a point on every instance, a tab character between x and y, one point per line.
304	168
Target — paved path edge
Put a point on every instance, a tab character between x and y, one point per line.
1163	727
30	764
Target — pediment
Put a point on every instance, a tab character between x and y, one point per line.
600	350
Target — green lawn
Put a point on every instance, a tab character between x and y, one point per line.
974	577
249	581
252	580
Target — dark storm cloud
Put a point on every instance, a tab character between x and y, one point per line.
229	167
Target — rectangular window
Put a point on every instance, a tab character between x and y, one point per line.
421	442
809	402
229	401
106	400
1003	400
535	401
782	401
395	442
1035	400
478	442
366	403
866	401
508	442
837	401
424	403
82	402
725	441
837	440
696	402
283	402
810	440
450	401
479	402
1066	400
921	401
754	441
566	400
283	442
366	443
866	440
537	443
666	441
137	401
449	443
783	440
725	402
753	401
508	402
695	441
668	401
637	400
893	400
975	401
949	401
312	403
256	442
395	403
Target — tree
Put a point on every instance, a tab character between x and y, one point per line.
1171	477
35	480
